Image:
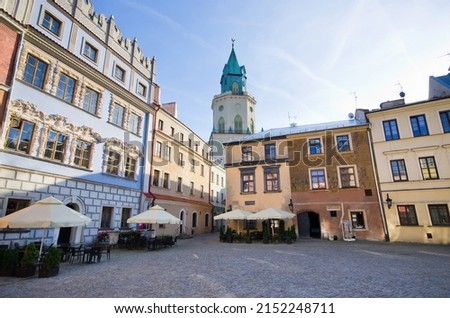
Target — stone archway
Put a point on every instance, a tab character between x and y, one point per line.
308	224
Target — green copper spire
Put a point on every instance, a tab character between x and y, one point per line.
233	76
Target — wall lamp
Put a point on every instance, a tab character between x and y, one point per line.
388	201
291	206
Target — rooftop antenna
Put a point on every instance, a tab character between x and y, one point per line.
448	54
356	98
232	43
291	122
402	93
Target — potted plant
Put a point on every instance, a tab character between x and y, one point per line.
8	261
50	265
27	264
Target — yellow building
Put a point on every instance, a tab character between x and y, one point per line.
180	179
257	174
411	144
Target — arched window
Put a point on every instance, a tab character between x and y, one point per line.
235	88
238	124
194	219
206	220
252	126
221	127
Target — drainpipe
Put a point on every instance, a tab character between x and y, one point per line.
380	202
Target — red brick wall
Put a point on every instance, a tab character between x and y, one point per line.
8	48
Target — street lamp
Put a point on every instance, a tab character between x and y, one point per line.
388	201
291	206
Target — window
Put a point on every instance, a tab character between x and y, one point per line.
270	152
221	181
193	166
156	178
407	215
194	219
318	179
107	214
172	131
221	128
19	135
82	154
158	152
130	167
439	214
235	88
160	124
126	214
190	143
217	179
90	52
180	184
117	115
315	146
248	181
247	154
358	222
112	163
167	152
347	177
51	23
202	170
206	220
90	101
16	205
35	71
238	124
202	191
428	168
191	192
250	224
55	146
419	125
390	130
142	89
271	179
180	159
343	143
398	169
445	120
119	73
166	180
134	123
181	137
66	88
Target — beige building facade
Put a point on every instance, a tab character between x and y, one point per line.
411	145
180	179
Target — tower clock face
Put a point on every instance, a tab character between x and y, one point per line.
220	108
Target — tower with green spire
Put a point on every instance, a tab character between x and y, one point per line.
233	109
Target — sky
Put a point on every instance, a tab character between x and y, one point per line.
307	61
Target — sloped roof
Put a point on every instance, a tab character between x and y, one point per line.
285	131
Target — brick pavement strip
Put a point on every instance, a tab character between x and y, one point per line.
202	267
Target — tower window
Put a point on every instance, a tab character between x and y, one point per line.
238	124
235	88
221	127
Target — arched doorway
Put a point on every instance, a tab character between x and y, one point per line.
65	233
309	225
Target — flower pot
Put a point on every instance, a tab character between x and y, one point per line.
48	272
25	271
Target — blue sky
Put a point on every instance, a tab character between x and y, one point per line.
306	61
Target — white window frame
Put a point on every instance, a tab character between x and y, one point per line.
45	11
310	179
349	142
321	146
355	173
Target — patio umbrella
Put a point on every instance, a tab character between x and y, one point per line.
155	215
271	214
236	214
46	213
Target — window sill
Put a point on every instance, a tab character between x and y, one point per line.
275	191
404	225
247	193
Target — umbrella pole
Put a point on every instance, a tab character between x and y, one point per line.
42	243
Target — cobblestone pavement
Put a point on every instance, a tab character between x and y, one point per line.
205	268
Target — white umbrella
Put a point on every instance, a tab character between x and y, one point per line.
271	213
155	215
236	214
46	213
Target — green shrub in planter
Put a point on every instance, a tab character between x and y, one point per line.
50	265
9	259
27	265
